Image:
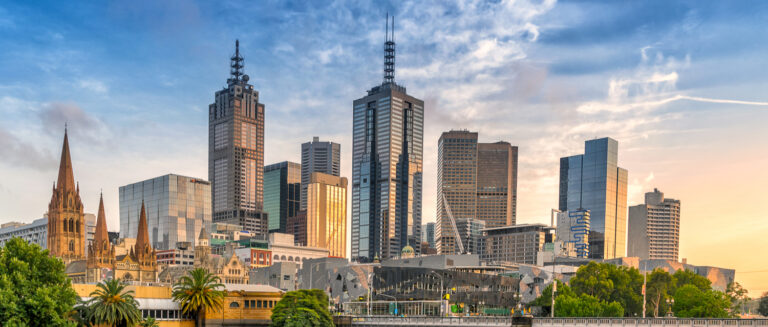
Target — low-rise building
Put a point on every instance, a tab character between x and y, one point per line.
284	250
281	275
35	232
518	243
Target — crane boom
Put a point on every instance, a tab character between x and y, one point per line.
456	236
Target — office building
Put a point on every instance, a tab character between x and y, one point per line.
236	152
282	190
654	228
318	156
177	208
471	234
593	181
35	232
573	233
477	181
428	234
516	244
297	226
388	139
66	219
327	213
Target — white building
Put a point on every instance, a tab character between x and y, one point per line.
36	232
284	250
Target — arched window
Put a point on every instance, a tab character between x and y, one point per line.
282	258
72	245
77	227
71	225
276	257
290	258
234	305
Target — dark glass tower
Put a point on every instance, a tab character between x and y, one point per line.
236	152
388	135
282	183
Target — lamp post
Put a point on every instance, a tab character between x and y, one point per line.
390	296
554	261
441	290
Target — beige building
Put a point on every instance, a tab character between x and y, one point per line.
654	228
228	267
285	250
516	244
327	213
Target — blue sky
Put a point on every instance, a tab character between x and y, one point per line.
680	84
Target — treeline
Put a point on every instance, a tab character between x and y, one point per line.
606	290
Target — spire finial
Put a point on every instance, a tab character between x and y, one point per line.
236	65
389	52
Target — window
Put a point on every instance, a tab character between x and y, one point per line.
234	305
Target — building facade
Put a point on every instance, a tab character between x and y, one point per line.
594	181
388	139
573	233
516	244
178	207
236	152
35	232
282	193
428	234
654	228
477	180
284	250
318	156
471	234
327	213
66	219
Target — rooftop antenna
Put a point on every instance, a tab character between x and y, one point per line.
236	66
389	53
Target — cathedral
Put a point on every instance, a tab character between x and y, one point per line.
66	236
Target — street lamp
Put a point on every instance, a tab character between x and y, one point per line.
670	303
390	296
441	290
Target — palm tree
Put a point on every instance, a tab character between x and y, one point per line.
197	292
149	322
111	304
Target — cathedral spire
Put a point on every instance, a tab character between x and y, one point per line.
142	237
66	179
101	234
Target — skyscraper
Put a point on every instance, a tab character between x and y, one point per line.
317	156
388	136
327	213
573	233
428	234
236	152
66	221
177	208
593	181
654	228
282	183
477	180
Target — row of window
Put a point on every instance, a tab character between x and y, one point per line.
254	304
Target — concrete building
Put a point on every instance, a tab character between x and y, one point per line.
178	207
654	228
573	233
280	275
282	193
35	232
318	156
477	180
516	244
387	156
284	250
327	213
471	234
594	181
236	152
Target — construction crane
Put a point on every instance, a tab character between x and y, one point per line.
456	236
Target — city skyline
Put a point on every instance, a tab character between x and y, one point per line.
669	95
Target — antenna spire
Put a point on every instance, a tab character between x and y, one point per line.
389	52
236	65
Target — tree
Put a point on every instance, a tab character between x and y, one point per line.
302	308
149	322
692	302
762	308
112	304
198	292
586	306
685	277
34	290
545	299
738	297
657	290
610	283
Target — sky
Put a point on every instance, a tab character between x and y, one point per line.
680	84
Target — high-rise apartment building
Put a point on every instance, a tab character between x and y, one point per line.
236	152
282	193
388	139
654	228
177	207
593	181
477	180
327	213
318	156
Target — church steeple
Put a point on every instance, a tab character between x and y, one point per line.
66	222
101	234
66	177
142	237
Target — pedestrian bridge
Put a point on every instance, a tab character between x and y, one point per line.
477	321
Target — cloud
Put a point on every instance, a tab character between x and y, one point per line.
80	124
14	151
93	85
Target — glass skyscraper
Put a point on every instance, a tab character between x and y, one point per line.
321	157
593	181
282	183
177	207
327	213
388	138
236	152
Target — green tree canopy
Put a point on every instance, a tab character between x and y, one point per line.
197	292
302	308
113	305
545	299
692	302
658	287
34	290
686	277
586	306
762	308
610	283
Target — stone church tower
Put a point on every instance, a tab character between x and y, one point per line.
101	253
66	223
143	252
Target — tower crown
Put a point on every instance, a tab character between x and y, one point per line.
236	66
389	52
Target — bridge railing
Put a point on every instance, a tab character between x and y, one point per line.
628	322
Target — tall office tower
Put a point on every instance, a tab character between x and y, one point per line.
282	190
456	185
177	207
573	233
317	156
428	234
593	181
478	180
236	152
654	228
66	221
497	184
388	139
327	213
471	233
